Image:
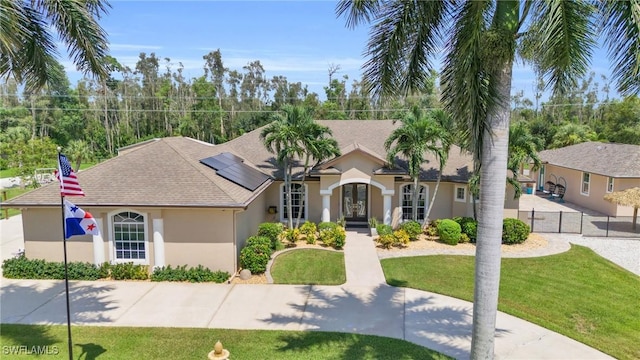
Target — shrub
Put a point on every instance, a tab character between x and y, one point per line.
373	223
384	229
464	238
334	236
129	271
194	274
339	237
259	240
309	230
22	268
255	258
291	235
514	231
449	231
271	231
401	237
469	226
82	271
342	221
413	229
326	225
386	241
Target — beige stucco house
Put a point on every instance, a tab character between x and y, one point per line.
590	170
157	203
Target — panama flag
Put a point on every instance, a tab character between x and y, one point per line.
78	221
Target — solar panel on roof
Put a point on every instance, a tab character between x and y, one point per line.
232	168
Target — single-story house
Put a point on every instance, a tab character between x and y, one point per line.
590	170
176	201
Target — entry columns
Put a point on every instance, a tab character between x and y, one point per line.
386	209
326	208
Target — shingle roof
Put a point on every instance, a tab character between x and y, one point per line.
167	172
164	172
608	159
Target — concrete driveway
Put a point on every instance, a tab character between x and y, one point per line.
11	237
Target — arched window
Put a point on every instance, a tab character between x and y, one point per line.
406	201
297	203
129	237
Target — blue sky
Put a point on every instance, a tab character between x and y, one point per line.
297	39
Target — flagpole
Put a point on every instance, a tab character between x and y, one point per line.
66	270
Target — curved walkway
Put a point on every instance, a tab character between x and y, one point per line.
363	305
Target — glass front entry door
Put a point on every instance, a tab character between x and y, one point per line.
354	202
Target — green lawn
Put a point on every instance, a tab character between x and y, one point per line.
577	293
118	343
11	193
309	266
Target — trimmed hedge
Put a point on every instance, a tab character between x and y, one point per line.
194	274
514	231
255	258
23	268
449	231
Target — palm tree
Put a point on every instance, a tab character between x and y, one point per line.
283	137
77	151
417	135
523	149
316	145
444	132
479	40
27	45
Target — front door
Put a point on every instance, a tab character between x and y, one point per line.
354	202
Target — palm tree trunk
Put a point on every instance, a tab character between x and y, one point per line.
433	199
287	185
414	203
493	183
304	191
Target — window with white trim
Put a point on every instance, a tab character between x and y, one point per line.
609	184
460	194
586	180
129	238
406	201
297	203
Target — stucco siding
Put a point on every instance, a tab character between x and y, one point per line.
199	237
43	237
247	221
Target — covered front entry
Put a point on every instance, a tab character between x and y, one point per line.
355	205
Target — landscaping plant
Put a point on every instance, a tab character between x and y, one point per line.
272	231
449	231
514	231
412	228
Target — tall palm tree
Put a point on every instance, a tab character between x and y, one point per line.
444	133
318	146
417	135
27	46
480	40
283	138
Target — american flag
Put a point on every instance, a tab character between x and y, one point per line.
69	185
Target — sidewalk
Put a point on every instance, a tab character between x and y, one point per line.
363	305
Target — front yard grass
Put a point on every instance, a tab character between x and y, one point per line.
104	343
309	267
578	293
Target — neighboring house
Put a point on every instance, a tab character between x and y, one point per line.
590	170
158	204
